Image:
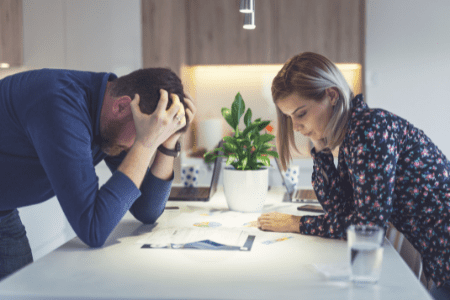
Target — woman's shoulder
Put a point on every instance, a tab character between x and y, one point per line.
374	125
362	116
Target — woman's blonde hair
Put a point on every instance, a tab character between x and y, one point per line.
309	75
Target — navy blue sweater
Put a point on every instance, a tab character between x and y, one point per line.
49	133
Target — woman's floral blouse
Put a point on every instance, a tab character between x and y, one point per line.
388	171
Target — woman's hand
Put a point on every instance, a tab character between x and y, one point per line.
275	221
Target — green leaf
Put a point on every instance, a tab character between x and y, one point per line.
246	143
249	128
264	138
244	163
231	158
260	165
263	125
226	113
208	157
230	147
230	139
270	153
213	151
265	160
211	157
264	147
248	118
252	164
237	109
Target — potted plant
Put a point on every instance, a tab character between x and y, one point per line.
247	154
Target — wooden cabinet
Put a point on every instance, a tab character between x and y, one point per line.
214	34
11	32
164	42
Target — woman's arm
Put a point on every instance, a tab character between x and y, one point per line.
328	187
361	190
367	162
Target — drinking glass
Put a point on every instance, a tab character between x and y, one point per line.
365	251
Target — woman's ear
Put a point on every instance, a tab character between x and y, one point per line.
333	93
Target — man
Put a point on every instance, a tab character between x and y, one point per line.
56	125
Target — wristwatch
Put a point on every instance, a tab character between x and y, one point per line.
170	152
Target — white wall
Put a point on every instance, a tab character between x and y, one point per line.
101	36
408	63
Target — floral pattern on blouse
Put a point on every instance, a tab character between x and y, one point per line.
388	171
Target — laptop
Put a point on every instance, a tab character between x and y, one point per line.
184	193
296	195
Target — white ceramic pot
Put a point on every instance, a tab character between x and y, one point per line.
245	191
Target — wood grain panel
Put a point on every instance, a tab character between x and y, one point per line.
328	27
261	46
164	34
283	28
216	35
210	31
11	32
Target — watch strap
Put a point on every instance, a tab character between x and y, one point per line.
170	152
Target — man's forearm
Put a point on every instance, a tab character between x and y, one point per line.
162	166
135	164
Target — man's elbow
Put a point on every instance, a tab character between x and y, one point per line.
148	219
147	216
94	242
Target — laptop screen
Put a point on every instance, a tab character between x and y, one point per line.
216	173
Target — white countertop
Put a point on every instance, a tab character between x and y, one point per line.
283	270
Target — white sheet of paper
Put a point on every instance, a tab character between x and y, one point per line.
218	219
167	236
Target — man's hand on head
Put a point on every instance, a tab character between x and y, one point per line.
190	112
154	129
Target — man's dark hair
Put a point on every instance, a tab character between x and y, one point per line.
147	83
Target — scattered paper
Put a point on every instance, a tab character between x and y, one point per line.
219	218
177	237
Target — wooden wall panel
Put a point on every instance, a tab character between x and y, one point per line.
216	35
11	32
194	32
164	34
283	28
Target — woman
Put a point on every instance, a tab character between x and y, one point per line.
388	170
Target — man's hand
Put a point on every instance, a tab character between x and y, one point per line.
152	130
279	222
190	112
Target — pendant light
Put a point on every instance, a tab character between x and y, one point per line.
249	21
248	8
